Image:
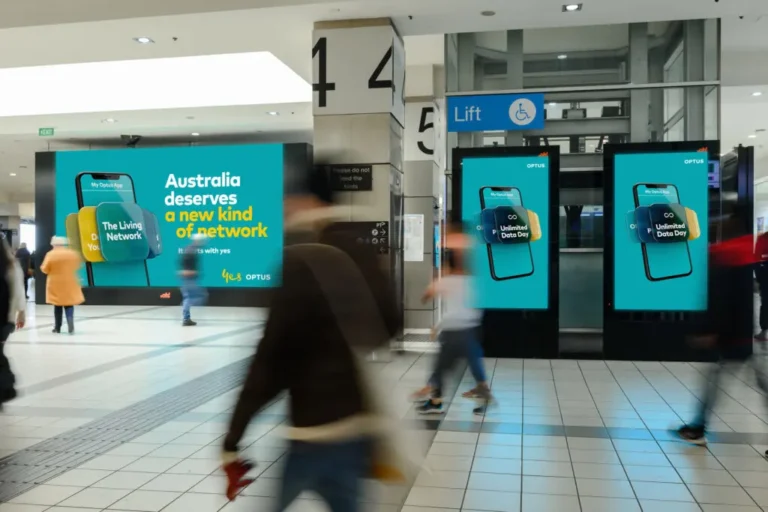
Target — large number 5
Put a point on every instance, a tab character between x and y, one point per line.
423	127
322	86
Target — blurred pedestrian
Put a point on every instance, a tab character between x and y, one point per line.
12	315
335	303
458	333
62	288
191	292
726	329
25	261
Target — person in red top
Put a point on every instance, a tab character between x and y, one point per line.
727	326
761	273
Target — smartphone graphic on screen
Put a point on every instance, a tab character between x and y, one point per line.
506	261
94	188
662	260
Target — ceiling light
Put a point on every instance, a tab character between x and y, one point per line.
572	7
273	113
757	93
552	104
195	134
488	13
143	40
13	174
562	56
185	83
109	120
753	136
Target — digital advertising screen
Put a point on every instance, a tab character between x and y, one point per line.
661	231
132	213
505	200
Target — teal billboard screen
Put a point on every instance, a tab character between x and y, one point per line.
661	237
131	213
505	204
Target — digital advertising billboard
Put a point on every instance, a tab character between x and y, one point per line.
505	200
131	213
660	239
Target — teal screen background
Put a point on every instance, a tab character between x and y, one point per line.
633	291
530	292
260	168
113	274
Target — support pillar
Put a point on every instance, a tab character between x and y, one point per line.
693	55
638	74
359	114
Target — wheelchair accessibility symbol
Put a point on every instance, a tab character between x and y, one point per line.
522	112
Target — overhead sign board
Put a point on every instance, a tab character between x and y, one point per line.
506	112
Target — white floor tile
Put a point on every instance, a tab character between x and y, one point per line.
549	485
197	503
661	491
669	506
720	495
434	497
605	488
46	495
541	502
173	483
447	479
94	498
80	477
494	482
609	505
146	501
125	480
494	501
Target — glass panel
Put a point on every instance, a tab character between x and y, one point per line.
581	290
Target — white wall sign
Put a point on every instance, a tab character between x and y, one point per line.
413	237
358	71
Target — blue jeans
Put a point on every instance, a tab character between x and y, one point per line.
461	343
332	470
192	295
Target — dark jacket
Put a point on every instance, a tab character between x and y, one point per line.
303	350
25	260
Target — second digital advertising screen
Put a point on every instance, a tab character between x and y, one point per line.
505	203
661	231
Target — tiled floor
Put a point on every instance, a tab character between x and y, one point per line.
565	435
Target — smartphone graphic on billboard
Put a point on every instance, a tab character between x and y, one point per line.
506	260
662	260
93	189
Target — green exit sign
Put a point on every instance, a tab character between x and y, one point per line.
45	132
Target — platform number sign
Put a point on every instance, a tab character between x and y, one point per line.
421	132
358	71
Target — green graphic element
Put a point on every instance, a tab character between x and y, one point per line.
121	232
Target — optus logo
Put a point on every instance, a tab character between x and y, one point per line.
694	161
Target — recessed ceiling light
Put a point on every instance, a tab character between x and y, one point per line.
13	174
757	93
488	13
273	113
572	7
143	40
753	136
109	120
562	56
195	134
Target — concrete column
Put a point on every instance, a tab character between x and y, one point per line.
514	78
656	76
359	114
466	69
424	164
638	74
693	55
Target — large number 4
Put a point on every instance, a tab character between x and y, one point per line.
374	82
322	86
